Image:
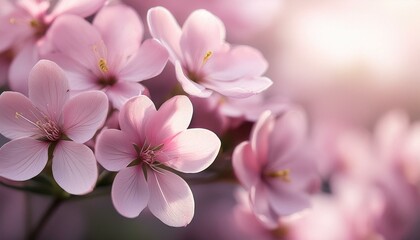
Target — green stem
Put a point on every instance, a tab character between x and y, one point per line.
44	219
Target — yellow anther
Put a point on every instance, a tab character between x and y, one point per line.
102	65
207	56
34	23
283	175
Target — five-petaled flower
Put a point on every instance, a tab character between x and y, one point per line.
273	168
204	62
151	141
51	122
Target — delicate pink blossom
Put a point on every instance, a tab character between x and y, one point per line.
110	55
25	23
49	124
204	62
148	143
270	166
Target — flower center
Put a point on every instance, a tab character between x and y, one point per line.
49	128
147	154
283	175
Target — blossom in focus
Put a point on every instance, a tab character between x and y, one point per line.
51	126
25	24
278	177
109	56
204	62
148	143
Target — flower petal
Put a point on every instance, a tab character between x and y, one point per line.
77	7
74	167
48	88
238	88
22	159
246	165
260	136
77	39
122	40
114	149
84	114
192	150
172	117
21	66
202	32
238	62
130	192
165	28
11	125
288	134
261	205
120	92
288	202
171	199
133	115
148	62
188	85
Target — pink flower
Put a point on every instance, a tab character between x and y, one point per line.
50	125
108	55
270	166
204	62
25	23
148	143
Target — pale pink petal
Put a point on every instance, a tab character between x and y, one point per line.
23	158
192	150
114	149
288	134
133	116
238	62
81	8
78	39
120	92
260	136
202	32
21	66
188	85
171	199
288	202
122	40
74	167
238	88
165	28
172	117
148	62
48	88
17	113
130	192
84	114
261	205
245	165
81	77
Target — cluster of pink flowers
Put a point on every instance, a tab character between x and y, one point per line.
140	101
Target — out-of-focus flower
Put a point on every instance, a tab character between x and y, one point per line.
203	61
270	166
26	24
110	55
148	143
49	124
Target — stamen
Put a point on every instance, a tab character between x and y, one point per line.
19	115
283	175
207	56
100	52
102	65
